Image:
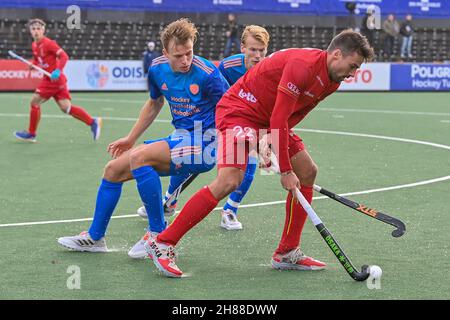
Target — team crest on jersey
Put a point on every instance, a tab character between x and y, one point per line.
194	88
164	86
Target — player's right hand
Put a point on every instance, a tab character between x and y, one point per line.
290	181
116	148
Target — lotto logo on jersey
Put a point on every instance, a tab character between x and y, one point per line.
248	96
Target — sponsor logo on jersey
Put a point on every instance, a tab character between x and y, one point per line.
294	89
248	96
194	88
180	99
320	80
164	86
309	94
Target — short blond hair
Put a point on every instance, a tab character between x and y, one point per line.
36	21
257	32
181	30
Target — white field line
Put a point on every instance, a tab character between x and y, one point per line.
415	113
63	116
281	201
328	109
426	143
251	205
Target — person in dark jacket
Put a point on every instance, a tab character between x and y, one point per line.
391	30
407	30
232	35
368	25
149	55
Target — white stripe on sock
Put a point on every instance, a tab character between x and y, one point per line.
233	204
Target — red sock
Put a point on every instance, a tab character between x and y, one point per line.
194	211
295	220
35	116
81	114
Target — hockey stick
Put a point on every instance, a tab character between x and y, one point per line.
180	188
331	242
16	56
398	224
401	228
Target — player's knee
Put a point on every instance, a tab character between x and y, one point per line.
137	158
65	109
309	176
112	172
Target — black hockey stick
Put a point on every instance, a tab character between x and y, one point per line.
399	225
181	188
331	242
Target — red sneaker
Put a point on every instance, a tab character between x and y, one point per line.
295	260
163	256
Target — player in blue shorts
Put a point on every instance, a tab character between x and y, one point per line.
192	86
254	43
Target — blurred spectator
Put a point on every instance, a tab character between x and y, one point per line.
407	30
391	27
368	25
351	20
149	54
232	35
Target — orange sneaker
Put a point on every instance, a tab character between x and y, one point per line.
163	256
295	260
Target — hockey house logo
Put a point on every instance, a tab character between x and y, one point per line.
248	96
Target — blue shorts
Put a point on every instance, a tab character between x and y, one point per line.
191	152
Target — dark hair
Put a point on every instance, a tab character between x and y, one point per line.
349	41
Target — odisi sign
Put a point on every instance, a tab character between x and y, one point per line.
371	76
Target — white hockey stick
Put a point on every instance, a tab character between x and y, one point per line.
16	56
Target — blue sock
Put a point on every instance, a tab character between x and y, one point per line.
107	197
175	182
149	187
236	197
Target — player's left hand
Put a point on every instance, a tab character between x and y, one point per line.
55	75
289	181
116	148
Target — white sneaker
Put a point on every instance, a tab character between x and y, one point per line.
138	250
229	221
168	211
142	212
83	242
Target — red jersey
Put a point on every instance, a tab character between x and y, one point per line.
45	55
278	93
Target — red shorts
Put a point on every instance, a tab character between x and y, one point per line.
238	138
57	90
